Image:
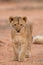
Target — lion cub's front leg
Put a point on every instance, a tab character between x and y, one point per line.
22	52
19	53
15	51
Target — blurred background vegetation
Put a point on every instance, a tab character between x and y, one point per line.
21	0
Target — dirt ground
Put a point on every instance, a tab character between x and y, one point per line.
6	48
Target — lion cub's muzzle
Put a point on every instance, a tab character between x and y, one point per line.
18	31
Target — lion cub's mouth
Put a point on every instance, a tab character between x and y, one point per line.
18	31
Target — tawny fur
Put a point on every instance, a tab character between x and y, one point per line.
21	34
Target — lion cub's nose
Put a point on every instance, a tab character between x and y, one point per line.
18	31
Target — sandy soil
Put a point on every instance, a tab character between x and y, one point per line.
6	48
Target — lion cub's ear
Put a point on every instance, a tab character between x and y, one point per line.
10	19
25	19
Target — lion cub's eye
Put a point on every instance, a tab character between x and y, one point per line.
14	25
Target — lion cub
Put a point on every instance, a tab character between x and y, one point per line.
21	33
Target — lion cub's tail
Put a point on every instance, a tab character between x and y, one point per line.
38	40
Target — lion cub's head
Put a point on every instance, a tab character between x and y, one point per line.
18	23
